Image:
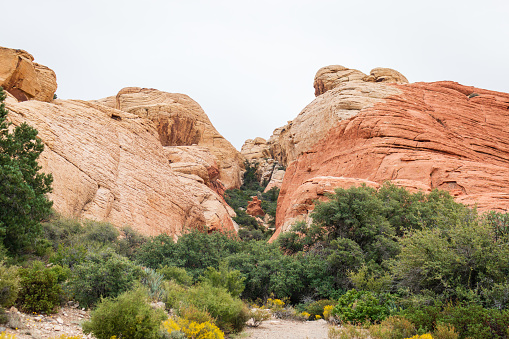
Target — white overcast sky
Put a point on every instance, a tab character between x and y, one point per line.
251	64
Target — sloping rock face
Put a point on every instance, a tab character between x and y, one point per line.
420	136
25	79
109	165
180	121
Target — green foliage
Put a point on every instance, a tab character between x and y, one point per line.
394	327
361	306
22	188
177	274
127	316
365	279
232	280
41	289
194	251
129	242
153	282
9	285
453	259
230	313
103	273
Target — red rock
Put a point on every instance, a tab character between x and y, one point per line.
431	135
254	207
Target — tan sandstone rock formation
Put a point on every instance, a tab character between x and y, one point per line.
180	121
25	79
419	136
109	165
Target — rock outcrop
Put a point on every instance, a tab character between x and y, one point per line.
110	165
25	79
420	136
145	158
269	171
254	207
180	121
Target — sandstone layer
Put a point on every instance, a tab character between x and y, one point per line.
180	121
420	136
109	165
25	79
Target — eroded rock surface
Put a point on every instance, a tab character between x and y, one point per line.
180	121
25	79
110	165
422	136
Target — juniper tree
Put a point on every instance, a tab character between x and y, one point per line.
23	201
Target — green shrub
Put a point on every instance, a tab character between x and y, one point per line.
9	285
41	289
129	242
232	280
69	255
394	327
127	316
230	313
192	313
177	274
361	306
153	282
103	273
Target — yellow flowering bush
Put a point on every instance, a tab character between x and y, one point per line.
275	304
424	336
65	336
192	329
5	335
318	317
327	311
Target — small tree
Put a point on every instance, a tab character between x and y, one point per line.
22	188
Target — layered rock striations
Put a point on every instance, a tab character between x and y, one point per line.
180	121
110	161
420	136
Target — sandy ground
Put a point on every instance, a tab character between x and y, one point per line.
286	329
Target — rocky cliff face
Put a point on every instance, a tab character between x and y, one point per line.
132	159
420	136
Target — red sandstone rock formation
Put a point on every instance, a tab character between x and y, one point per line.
254	207
423	136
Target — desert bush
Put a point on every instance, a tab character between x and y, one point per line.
127	316
394	327
445	331
348	331
192	329
230	313
177	274
232	280
258	315
9	285
103	273
41	289
361	306
192	313
129	242
453	260
69	255
153	282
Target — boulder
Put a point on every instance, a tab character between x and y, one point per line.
23	78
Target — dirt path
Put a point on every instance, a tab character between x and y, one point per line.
286	329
